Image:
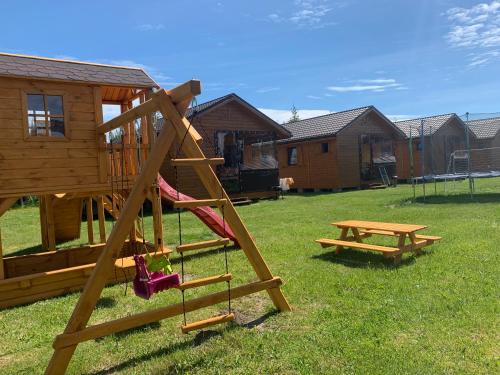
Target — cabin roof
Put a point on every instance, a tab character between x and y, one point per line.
329	125
34	67
486	128
202	108
431	124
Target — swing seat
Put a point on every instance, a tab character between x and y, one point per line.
148	283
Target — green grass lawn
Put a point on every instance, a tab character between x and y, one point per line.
354	313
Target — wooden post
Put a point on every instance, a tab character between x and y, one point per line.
90	221
101	138
214	188
43	223
50	227
2	273
102	218
104	266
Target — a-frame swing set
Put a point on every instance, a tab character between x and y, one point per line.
172	105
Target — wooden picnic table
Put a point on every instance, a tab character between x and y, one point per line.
364	229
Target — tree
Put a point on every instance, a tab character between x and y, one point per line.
295	115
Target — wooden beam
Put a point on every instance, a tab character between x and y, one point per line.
90	221
102	218
6	203
212	184
147	317
192	162
128	116
104	266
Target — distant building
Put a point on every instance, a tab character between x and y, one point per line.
339	150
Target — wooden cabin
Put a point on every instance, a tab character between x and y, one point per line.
485	154
443	134
246	138
54	147
339	150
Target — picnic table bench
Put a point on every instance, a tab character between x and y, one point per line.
364	229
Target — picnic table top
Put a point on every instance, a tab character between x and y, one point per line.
390	227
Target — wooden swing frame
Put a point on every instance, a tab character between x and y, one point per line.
172	105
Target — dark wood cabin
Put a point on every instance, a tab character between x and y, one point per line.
54	147
339	150
234	129
485	154
443	134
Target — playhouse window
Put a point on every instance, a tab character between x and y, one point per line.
324	148
45	115
292	156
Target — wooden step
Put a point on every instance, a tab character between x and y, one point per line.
202	245
196	162
387	233
199	203
205	281
207	322
325	242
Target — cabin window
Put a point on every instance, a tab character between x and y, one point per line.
45	115
324	148
292	156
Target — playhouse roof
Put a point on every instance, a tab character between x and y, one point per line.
486	128
431	124
34	67
328	125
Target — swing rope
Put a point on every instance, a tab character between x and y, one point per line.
179	221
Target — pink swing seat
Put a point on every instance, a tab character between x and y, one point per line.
148	283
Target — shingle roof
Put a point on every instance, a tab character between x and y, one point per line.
53	69
484	129
322	126
431	124
203	107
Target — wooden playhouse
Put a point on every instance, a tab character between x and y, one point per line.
59	149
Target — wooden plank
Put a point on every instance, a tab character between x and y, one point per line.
49	211
326	242
199	203
209	179
387	233
128	116
207	322
101	217
205	281
101	138
202	245
147	317
196	161
20	164
393	227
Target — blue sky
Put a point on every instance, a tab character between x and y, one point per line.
406	57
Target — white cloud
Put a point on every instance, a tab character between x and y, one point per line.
282	115
373	85
314	97
476	28
401	117
150	27
305	14
263	90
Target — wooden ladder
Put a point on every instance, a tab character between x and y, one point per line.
219	319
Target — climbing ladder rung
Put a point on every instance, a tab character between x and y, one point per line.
202	245
207	322
205	281
199	203
196	162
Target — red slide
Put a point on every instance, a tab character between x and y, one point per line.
209	217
